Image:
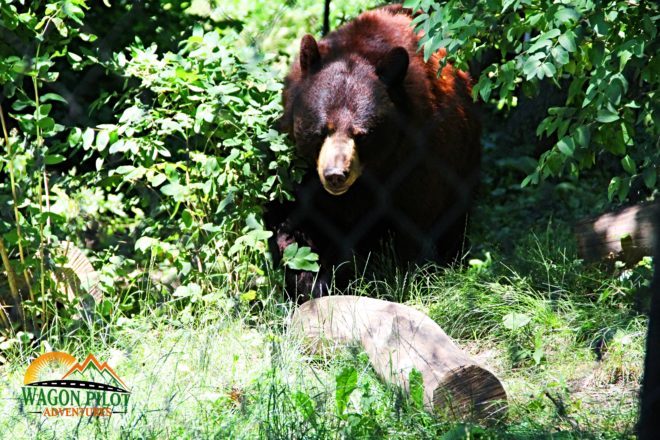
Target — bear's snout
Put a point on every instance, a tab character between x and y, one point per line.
335	177
338	164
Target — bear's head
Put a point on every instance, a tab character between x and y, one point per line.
340	111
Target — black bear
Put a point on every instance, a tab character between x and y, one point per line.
393	148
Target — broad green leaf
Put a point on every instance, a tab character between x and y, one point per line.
346	382
628	164
549	70
291	251
52	97
46	124
175	190
650	177
192	289
248	296
144	243
567	41
560	55
582	136
515	321
157	179
564	15
53	159
624	57
606	116
88	138
566	145
532	66
102	140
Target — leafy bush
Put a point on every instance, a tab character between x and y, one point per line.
32	41
180	175
194	140
603	56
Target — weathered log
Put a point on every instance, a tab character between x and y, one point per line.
398	338
627	234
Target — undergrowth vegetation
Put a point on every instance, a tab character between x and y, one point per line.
138	151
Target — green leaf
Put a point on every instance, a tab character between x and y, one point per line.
629	165
192	289
175	190
304	403
484	89
412	4
624	57
515	321
46	124
567	41
614	92
624	189
613	187
88	138
53	159
564	15
543	40
548	69
532	178
131	114
566	145
606	115
626	135
248	296
52	97
157	179
102	140
74	137
560	55
187	218
532	65
118	147
583	136
44	109
290	251
650	176
300	258
346	382
416	387
144	243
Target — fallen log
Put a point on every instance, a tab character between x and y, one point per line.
626	235
398	338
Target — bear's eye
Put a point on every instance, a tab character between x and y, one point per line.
360	135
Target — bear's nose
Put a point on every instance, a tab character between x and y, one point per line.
334	177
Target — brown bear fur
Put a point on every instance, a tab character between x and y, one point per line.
416	135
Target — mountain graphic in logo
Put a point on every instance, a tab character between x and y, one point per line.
91	370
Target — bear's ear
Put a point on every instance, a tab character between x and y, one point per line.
310	56
393	67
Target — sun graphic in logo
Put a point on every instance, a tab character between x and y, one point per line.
48	366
